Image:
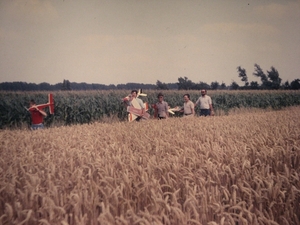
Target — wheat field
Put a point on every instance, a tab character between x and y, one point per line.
235	169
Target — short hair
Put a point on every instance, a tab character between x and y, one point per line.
187	95
134	91
32	101
160	94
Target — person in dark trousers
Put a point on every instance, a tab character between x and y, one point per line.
205	104
161	108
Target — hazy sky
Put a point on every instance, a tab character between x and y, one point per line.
121	41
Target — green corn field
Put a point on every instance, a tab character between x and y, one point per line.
80	107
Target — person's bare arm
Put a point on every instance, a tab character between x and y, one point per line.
193	110
155	112
211	110
143	112
196	103
41	111
167	110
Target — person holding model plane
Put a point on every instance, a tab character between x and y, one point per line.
37	116
188	107
37	113
133	103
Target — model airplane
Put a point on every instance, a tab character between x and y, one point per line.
135	110
50	104
170	110
175	109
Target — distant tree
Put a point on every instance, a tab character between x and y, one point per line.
201	85
172	86
243	75
121	86
295	84
274	78
45	86
18	86
33	87
269	81
66	85
7	86
80	86
161	86
260	73
214	85
111	87
184	83
130	86
254	85
286	85
234	86
223	86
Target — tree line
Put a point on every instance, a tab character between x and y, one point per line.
269	81
66	85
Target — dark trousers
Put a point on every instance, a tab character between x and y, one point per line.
204	112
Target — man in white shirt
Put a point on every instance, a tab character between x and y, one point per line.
205	104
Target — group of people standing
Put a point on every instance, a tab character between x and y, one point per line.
204	102
161	107
188	109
